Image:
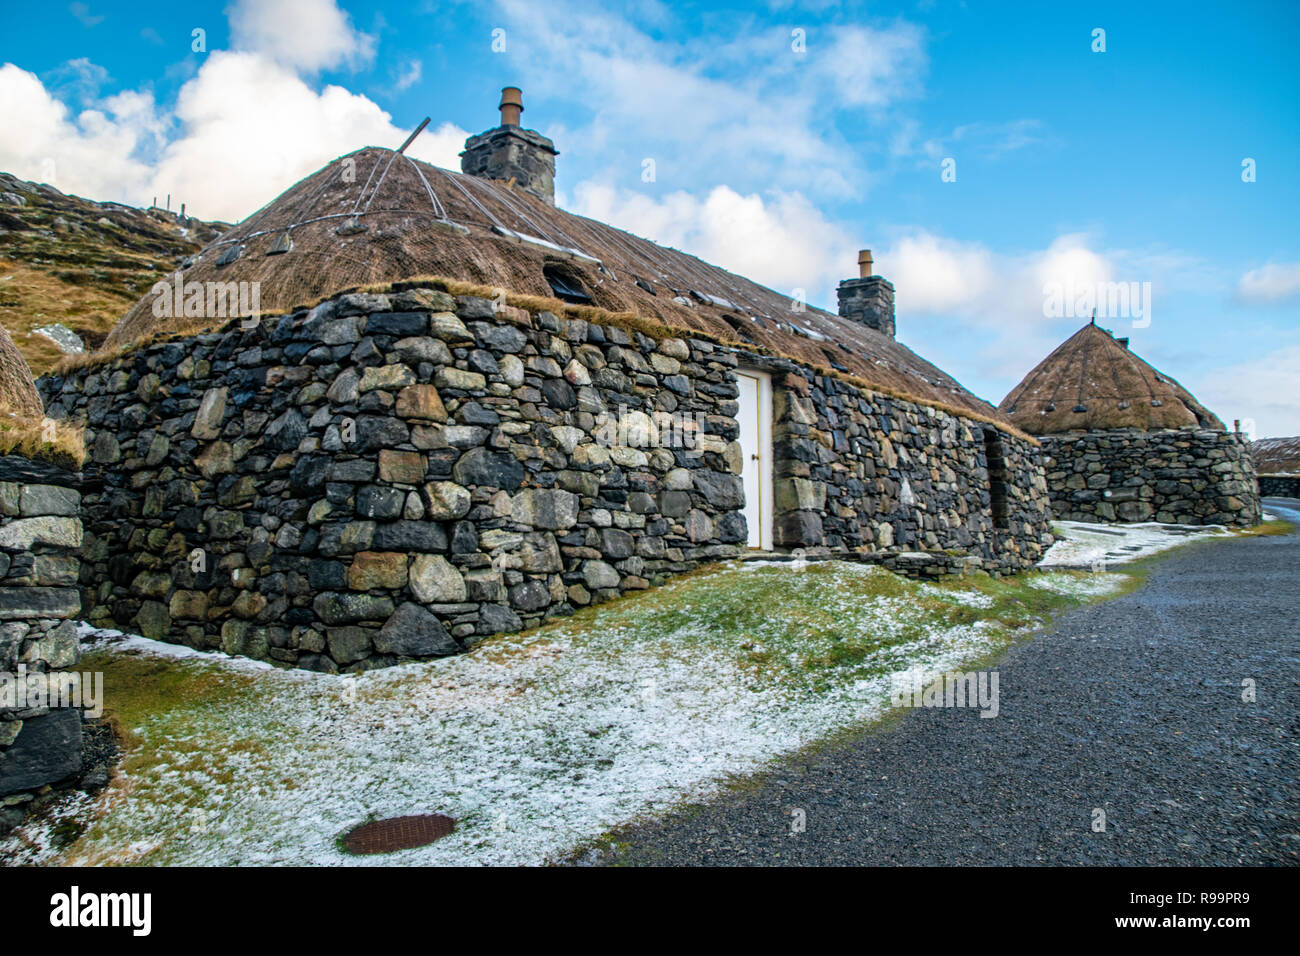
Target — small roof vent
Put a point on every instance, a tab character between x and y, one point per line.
230	255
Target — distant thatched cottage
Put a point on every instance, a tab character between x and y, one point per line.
1124	442
463	410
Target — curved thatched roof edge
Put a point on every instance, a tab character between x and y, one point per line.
1093	382
24	430
373	217
17	390
626	321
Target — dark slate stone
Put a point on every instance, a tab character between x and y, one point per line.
380	503
494	469
121	569
483	361
414	632
375	432
502	338
335	608
798	529
47	750
27	471
497	619
421	536
616	544
530	596
472	413
286	432
732	528
326	575
308	475
464	538
558	393
675	504
724	492
401	324
296	351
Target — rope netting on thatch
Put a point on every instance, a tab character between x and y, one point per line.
17	391
376	216
1092	381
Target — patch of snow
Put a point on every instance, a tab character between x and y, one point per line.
534	743
1098	547
68	341
1077	585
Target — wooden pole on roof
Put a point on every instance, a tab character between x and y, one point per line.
418	130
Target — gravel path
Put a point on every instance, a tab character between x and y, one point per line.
1133	706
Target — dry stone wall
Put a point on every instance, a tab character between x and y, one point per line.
397	476
40	542
857	472
1178	476
1279	486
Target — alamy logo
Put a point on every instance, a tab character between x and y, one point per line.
636	429
954	689
74	909
23	690
1106	300
205	300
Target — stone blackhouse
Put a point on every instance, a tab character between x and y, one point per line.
1123	442
461	410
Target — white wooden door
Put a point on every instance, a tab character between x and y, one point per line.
754	418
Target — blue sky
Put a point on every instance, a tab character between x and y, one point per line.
773	157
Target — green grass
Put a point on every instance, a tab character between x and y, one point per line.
747	650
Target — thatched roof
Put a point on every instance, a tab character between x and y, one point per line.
1093	381
17	391
1276	456
376	217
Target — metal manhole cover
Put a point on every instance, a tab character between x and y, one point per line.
398	833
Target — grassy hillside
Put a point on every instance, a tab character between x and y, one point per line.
80	263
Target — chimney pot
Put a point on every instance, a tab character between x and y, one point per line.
511	153
868	299
512	104
864	263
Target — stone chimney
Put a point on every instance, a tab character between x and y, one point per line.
510	152
868	299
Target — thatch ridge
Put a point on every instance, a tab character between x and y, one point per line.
424	220
1092	381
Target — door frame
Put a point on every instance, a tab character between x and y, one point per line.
766	504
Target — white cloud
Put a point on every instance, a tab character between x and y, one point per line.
244	127
698	106
93	154
1275	282
874	68
781	241
946	287
1263	390
82	12
307	35
409	76
251	128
